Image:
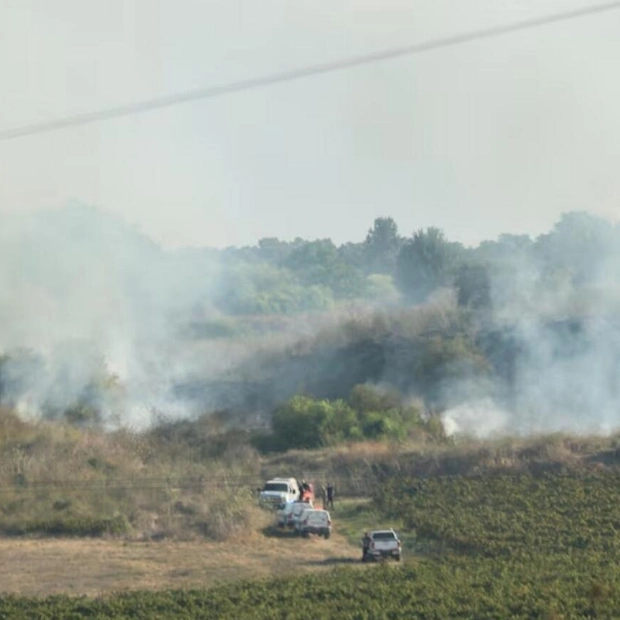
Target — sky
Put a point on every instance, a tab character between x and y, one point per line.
501	135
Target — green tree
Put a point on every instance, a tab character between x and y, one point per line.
426	262
274	251
262	288
365	398
319	263
381	413
353	255
473	287
579	244
381	246
305	422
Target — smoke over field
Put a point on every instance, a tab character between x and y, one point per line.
99	324
88	303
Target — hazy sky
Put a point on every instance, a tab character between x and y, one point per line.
496	136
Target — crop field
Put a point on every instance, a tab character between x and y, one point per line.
450	587
511	515
498	546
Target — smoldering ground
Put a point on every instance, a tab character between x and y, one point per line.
95	319
86	300
554	339
98	320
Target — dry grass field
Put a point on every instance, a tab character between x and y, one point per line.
41	567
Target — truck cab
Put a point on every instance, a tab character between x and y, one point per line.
278	491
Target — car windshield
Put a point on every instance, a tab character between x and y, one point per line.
384	536
280	487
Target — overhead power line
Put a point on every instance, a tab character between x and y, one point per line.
210	92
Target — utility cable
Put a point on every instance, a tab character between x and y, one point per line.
212	92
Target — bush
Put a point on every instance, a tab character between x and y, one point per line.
304	422
371	413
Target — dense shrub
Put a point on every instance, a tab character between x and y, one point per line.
370	413
304	422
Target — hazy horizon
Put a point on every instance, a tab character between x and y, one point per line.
497	136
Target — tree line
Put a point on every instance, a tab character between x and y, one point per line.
285	277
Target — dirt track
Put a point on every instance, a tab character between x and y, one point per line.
44	567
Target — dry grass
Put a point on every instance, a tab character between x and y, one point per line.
57	479
91	567
166	484
356	467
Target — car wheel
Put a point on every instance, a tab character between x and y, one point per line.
397	558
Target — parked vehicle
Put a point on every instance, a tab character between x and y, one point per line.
288	514
314	521
381	544
279	491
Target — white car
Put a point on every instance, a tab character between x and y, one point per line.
278	491
313	521
381	544
289	513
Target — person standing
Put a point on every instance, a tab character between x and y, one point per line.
330	495
324	496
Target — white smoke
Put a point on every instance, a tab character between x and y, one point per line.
482	419
84	298
556	308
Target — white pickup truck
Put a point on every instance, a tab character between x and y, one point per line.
381	544
278	491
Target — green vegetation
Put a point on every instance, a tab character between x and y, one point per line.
505	546
344	355
452	587
68	525
261	288
304	422
291	277
448	588
195	479
523	528
512	515
438	322
301	275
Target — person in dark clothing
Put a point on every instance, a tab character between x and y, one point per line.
330	495
365	544
366	540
